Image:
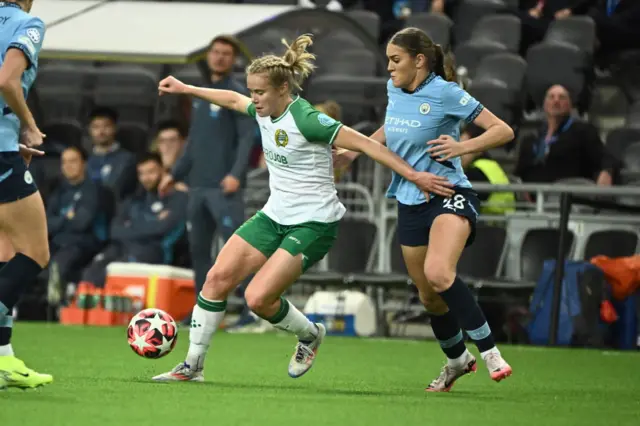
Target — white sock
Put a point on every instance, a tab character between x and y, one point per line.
6	350
5	321
290	319
460	361
493	350
205	319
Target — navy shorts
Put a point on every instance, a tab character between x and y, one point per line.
414	221
16	181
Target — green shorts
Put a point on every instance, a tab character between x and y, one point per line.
311	239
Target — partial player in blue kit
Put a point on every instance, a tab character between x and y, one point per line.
422	125
23	223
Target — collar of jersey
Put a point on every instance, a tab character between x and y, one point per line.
426	81
275	120
6	4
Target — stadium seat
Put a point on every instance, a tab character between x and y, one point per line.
370	21
503	29
577	30
470	53
540	244
469	12
133	137
631	158
482	260
509	68
131	90
619	139
62	91
630	200
63	133
437	26
553	63
349	62
611	243
351	253
497	97
633	116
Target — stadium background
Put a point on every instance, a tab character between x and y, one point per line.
113	53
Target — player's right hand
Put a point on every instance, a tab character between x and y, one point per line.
166	183
32	137
434	184
171	85
28	153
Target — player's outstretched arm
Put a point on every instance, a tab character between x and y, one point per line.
354	141
224	98
15	63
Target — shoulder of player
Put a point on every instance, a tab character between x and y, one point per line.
32	21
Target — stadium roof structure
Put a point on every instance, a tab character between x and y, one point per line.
151	32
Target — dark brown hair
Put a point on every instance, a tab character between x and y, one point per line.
229	40
415	42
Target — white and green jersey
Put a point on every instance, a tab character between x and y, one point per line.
297	149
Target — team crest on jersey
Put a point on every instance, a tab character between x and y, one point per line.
33	34
28	178
425	108
281	137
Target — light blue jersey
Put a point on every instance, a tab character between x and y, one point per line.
435	108
22	31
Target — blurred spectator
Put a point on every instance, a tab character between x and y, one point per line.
109	164
215	161
393	13
147	225
480	167
536	15
617	22
169	141
73	220
565	147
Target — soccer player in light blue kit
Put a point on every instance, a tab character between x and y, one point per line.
422	125
23	222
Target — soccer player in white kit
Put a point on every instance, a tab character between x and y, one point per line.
299	223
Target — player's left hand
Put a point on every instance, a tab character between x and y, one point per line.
445	148
230	184
28	153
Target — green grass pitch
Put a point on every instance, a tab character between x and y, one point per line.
100	381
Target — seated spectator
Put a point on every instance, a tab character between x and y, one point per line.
169	141
617	22
109	164
480	167
147	224
535	16
73	221
565	147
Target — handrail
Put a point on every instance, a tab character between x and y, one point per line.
558	188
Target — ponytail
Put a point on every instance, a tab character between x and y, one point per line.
444	65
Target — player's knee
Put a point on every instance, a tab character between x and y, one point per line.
218	283
258	301
439	275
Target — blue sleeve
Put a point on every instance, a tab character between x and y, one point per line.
28	38
459	104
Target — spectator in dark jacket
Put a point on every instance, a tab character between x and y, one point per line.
73	221
109	164
617	22
565	147
147	225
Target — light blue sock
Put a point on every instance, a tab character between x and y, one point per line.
3	309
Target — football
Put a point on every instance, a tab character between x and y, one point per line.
152	333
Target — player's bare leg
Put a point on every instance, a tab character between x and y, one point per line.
23	223
264	297
237	260
445	327
447	238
